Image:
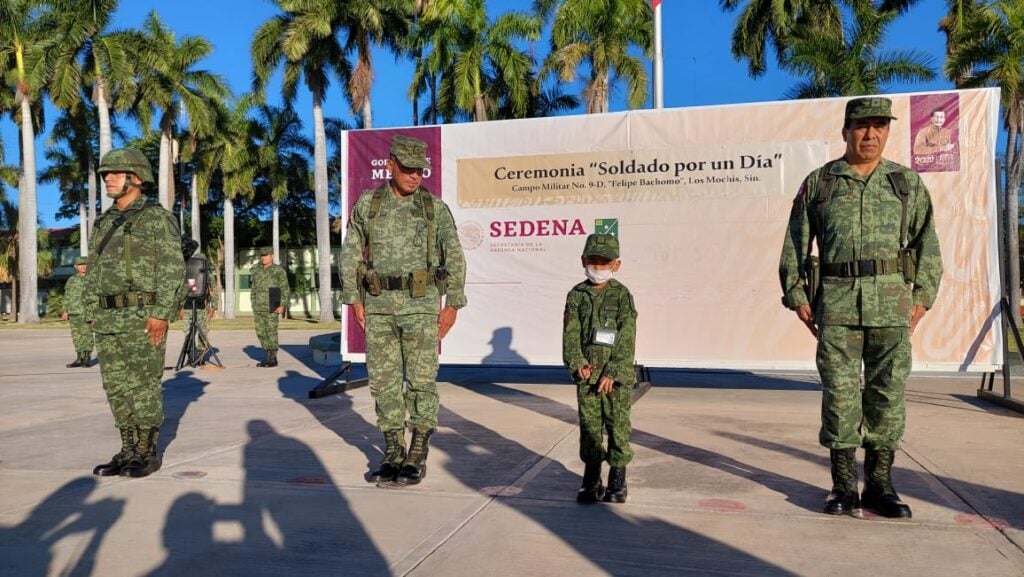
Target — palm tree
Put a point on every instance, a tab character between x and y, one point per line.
992	47
481	50
10	263
303	41
771	22
367	23
282	153
961	15
600	34
851	63
170	83
71	156
26	30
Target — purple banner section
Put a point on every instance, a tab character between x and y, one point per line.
368	151
935	126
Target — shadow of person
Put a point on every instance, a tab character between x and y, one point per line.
501	349
179	393
25	549
614	538
336	413
254	352
290	509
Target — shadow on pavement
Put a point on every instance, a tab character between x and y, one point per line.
25	549
187	389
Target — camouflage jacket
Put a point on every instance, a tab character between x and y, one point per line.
862	222
261	280
399	248
587	308
73	289
145	259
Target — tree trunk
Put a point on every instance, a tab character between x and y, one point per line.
90	209
103	110
14	297
367	114
163	175
28	310
195	210
1014	168
229	258
323	224
479	109
275	227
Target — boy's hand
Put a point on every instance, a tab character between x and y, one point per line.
605	385
585	371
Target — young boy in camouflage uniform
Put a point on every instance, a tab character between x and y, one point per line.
598	346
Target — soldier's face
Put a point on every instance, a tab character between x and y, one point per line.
114	182
865	139
601	263
80	268
404	179
266	259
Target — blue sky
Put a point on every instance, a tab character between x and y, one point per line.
699	68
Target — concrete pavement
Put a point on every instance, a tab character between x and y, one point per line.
259	480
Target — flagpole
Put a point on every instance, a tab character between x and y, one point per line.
659	71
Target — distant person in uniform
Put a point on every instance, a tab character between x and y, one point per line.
934	138
598	348
134	287
269	293
880	267
404	274
74	313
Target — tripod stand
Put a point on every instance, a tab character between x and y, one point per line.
197	344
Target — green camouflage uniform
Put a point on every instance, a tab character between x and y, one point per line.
399	327
74	305
587	308
145	267
262	279
862	318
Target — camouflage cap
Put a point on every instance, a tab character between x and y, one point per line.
265	250
602	245
869	108
410	152
127	160
81	260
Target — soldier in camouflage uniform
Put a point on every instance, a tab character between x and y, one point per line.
270	288
880	269
598	346
74	309
401	254
134	287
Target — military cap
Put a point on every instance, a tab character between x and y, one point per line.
869	108
410	152
81	260
265	250
603	245
127	160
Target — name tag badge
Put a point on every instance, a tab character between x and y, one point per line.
606	337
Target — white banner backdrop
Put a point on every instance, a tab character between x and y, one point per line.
699	198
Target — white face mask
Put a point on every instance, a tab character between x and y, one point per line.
598	276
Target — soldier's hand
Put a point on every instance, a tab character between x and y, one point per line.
210	313
64	316
807	317
445	321
279	310
916	314
605	385
156	329
585	371
360	313
181	315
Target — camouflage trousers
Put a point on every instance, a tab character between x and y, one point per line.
873	416
266	329
604	412
81	334
403	348
131	368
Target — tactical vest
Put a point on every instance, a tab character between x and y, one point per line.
439	273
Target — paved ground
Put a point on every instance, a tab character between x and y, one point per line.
259	480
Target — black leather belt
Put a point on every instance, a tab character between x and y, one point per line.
856	268
127	299
394	283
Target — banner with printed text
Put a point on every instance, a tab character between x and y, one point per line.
699	199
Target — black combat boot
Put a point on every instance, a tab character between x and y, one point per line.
145	461
617	491
591	490
78	362
843	500
414	468
118	461
86	360
394	454
269	358
879	495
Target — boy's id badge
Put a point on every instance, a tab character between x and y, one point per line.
606	337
